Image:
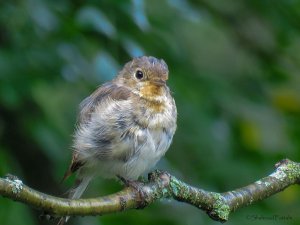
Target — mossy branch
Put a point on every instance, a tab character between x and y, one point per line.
161	185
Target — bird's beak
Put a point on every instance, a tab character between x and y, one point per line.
159	82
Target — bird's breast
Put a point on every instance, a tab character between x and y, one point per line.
156	114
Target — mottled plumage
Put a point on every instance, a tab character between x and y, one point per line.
125	126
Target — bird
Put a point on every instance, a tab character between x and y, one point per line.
125	126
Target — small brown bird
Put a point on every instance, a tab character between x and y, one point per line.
125	126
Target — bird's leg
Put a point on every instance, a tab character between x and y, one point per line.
138	186
131	183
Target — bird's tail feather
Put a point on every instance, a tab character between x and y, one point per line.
75	193
79	188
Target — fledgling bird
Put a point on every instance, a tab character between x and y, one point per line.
125	126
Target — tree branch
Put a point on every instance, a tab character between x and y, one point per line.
161	185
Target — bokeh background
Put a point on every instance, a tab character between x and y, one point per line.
234	72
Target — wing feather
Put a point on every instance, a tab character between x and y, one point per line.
88	106
108	90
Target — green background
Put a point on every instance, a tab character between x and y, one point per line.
234	72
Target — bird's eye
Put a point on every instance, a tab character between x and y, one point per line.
139	74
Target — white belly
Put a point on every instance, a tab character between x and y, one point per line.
149	154
146	156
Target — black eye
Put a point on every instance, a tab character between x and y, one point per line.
139	74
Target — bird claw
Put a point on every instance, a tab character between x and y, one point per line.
136	185
131	183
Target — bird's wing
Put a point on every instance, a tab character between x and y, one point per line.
108	90
87	107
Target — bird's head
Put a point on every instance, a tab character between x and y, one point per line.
146	76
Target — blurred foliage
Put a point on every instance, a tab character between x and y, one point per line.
234	70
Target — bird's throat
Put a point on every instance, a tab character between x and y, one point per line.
151	91
155	96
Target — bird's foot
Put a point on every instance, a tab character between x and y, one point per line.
138	186
131	183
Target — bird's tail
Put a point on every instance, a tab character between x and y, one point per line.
75	193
